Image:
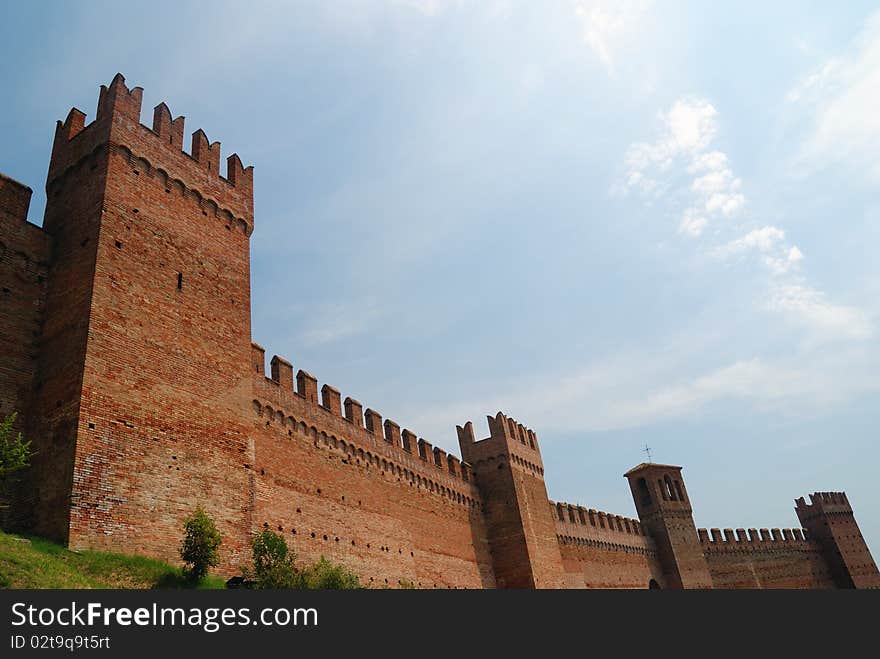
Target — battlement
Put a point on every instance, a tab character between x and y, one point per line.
15	199
507	438
823	503
714	539
367	425
568	513
117	121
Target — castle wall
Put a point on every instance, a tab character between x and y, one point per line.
334	487
771	559
24	261
24	256
125	333
600	550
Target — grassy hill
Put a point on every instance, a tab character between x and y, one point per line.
29	562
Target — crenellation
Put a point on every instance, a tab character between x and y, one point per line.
205	152
66	130
426	451
392	433
373	422
15	200
282	372
439	458
331	400
307	386
354	412
170	131
408	439
116	99
258	359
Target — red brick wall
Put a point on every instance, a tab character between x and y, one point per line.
24	256
604	551
334	488
768	560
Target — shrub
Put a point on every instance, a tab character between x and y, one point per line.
324	575
15	453
200	544
273	563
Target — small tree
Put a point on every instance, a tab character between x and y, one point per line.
200	544
15	453
273	563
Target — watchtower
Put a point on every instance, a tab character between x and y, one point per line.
665	512
510	474
831	524
142	379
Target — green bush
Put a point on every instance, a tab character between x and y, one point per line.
15	453
273	563
200	545
324	575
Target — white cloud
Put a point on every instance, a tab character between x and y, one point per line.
692	223
606	25
764	239
638	389
843	95
826	320
688	129
684	152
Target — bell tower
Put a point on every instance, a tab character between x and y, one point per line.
665	512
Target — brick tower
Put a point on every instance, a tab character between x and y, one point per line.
831	524
142	377
665	511
521	531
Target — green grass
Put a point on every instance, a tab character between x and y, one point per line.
30	562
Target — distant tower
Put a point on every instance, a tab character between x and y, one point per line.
510	474
831	524
665	512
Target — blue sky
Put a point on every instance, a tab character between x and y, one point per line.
619	222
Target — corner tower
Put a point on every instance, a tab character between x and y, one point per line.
510	475
142	377
665	512
831	524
